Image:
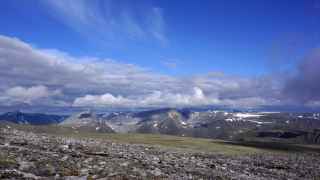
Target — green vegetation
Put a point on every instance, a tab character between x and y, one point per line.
277	146
179	143
185	143
7	162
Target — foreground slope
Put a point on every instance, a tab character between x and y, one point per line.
29	155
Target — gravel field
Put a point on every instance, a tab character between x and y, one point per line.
26	155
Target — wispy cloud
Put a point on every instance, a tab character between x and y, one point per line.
172	63
157	26
108	22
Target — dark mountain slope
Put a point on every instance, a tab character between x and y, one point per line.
31	118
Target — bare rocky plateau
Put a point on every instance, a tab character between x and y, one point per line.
27	155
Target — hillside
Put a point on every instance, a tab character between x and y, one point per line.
32	118
26	153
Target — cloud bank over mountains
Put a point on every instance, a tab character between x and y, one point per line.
47	77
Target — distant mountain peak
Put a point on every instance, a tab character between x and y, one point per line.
86	120
31	118
84	117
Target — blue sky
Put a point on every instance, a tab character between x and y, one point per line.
241	39
199	36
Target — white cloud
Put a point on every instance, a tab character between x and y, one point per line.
196	98
29	95
160	99
102	100
155	99
32	75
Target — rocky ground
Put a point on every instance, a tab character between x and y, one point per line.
26	155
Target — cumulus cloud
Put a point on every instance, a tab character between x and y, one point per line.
102	100
197	97
160	99
29	95
109	21
155	99
55	78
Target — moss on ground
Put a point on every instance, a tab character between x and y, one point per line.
6	162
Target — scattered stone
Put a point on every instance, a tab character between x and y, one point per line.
156	172
40	156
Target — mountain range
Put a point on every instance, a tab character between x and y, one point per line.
32	118
235	125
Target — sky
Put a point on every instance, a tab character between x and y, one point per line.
159	53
